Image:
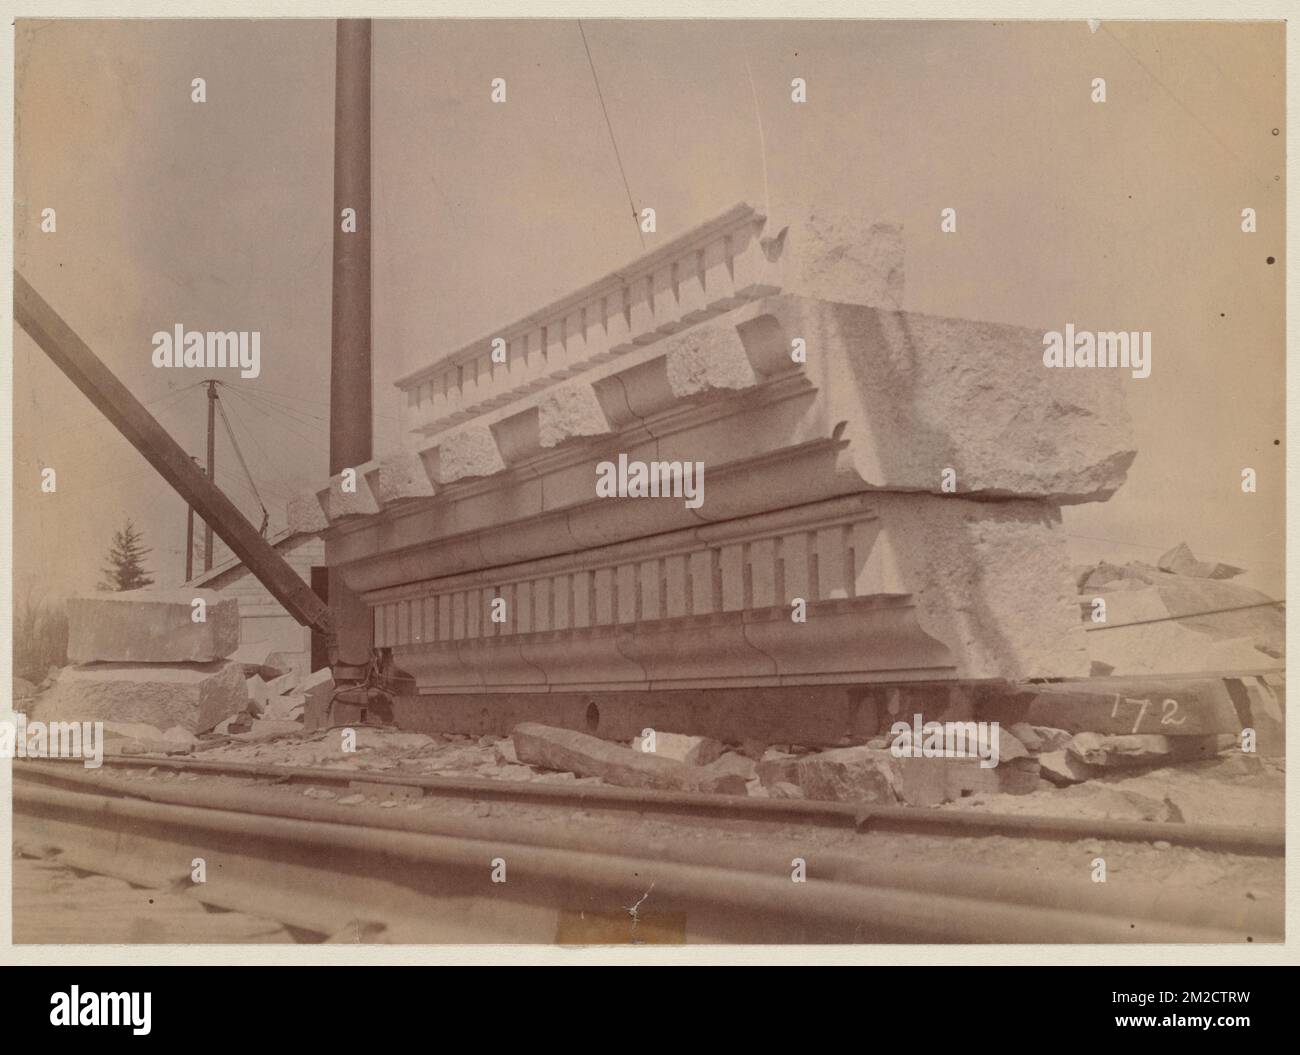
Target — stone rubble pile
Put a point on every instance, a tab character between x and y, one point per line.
1170	632
1031	757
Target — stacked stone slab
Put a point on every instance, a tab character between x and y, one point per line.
825	483
1181	614
139	656
151	627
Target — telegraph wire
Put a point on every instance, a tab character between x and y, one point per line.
609	124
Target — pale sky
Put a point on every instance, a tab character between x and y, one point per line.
1121	215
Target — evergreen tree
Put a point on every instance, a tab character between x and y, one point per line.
126	569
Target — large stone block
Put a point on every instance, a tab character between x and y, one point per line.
1176	707
588	756
919	394
992	581
933	781
151	626
835	254
848	774
195	697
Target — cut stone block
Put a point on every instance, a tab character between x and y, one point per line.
194	697
396	476
848	774
1097	749
568	412
1158	648
1197	707
589	756
933	781
924	393
1243	621
151	626
728	775
468	452
693	750
708	358
991	581
836	254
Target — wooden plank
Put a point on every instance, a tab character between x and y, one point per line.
85	370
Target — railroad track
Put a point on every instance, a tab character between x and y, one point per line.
431	876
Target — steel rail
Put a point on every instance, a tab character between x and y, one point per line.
773	857
330	878
1262	841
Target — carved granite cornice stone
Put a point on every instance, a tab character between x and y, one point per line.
826	480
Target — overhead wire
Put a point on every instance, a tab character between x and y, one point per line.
239	455
1184	615
273	464
613	141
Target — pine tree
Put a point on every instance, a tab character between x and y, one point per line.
126	560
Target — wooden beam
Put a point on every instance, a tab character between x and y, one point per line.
112	398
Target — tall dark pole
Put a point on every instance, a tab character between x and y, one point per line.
189	537
212	467
189	543
350	395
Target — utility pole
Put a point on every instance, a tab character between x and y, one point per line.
350	394
189	536
212	467
350	390
189	543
